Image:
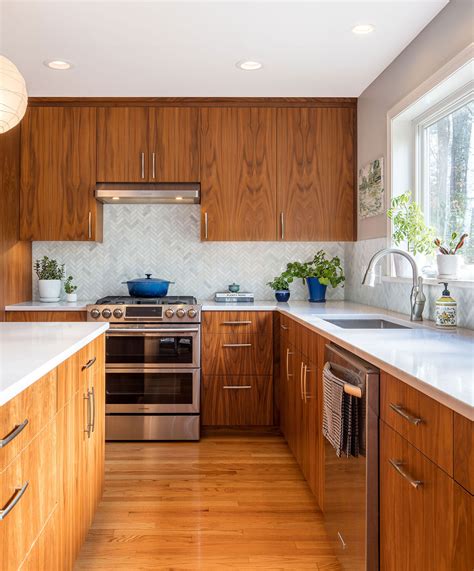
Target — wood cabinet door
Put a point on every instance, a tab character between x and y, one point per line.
122	144
238	174
316	173
174	144
416	523
58	175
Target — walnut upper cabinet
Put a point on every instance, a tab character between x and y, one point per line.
58	175
316	173
238	173
141	144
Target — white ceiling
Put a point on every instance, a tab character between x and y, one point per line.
177	48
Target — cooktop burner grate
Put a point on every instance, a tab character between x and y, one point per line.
129	300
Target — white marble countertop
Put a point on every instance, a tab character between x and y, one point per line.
28	351
54	306
438	363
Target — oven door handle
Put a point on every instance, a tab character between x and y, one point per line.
149	332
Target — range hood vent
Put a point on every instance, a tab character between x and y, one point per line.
148	193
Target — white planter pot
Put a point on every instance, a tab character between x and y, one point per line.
71	297
49	290
402	267
447	266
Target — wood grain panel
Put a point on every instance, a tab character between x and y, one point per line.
35	464
46	553
463	521
58	175
236	354
316	182
259	322
416	524
46	316
249	406
238	173
25	407
15	256
464	452
350	102
174	137
433	435
122	135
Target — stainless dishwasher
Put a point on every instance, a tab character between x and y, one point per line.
351	491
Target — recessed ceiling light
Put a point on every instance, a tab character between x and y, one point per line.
363	29
249	65
57	64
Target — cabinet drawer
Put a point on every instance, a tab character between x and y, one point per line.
424	422
259	322
237	401
36	467
236	354
32	409
417	522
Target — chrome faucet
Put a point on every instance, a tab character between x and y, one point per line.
417	297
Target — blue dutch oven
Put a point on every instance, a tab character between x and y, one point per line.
148	287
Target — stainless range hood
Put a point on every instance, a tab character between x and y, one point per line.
148	193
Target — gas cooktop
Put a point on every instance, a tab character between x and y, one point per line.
129	300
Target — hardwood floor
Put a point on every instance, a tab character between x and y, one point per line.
228	502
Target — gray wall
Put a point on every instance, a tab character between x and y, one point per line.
444	37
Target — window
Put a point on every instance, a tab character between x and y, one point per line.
446	168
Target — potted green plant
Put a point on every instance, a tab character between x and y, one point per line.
70	289
446	259
50	274
281	287
318	273
409	230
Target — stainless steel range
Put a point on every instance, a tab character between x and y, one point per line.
153	360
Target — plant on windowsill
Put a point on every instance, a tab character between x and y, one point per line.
50	274
70	290
409	230
446	259
318	273
281	287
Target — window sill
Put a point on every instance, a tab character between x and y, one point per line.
461	283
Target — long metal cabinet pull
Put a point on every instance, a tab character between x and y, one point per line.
142	155
89	363
89	225
301	380
282	225
237	387
205	226
153	165
398	465
93	409
404	414
305	383
13	501
13	434
87	397
288	353
236	345
236	323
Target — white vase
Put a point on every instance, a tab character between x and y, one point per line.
71	297
447	266
49	290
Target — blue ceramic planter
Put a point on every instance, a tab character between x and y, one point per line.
317	291
282	295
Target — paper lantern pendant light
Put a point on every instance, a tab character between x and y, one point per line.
13	95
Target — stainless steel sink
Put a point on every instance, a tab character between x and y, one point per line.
366	324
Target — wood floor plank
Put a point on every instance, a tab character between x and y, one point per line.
229	502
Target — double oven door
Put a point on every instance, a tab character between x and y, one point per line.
153	369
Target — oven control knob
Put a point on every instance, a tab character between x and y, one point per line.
118	313
106	313
95	313
169	313
180	313
192	313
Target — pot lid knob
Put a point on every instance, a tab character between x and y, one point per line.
148	276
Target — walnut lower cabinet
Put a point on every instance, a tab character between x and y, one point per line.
55	466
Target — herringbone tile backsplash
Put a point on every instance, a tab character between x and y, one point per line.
164	240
